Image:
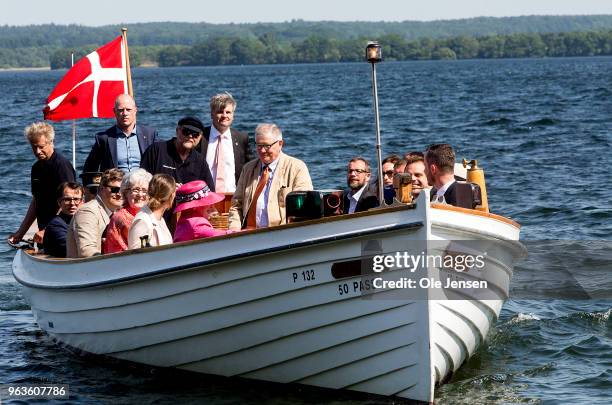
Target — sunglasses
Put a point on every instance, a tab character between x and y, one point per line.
190	133
114	190
389	173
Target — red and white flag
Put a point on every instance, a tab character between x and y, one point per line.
90	87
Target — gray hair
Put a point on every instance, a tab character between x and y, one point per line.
34	131
269	128
219	101
133	178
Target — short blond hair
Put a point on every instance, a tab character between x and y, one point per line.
219	101
37	129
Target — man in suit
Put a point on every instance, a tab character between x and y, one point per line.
226	150
84	237
259	200
440	171
123	144
69	199
360	195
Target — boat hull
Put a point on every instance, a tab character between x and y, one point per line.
271	305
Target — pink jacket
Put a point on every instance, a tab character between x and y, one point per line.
190	228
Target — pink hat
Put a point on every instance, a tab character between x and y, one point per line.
195	194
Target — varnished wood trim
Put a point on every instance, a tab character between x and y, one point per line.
447	207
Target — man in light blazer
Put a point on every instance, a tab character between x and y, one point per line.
259	200
123	144
234	148
84	237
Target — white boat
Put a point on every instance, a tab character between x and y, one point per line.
286	304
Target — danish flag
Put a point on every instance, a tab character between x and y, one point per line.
90	87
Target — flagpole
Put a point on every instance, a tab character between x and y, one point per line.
127	62
73	125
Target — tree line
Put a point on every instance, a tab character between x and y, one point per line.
175	33
267	50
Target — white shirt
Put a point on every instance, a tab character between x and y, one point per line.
441	191
229	167
261	209
145	223
354	199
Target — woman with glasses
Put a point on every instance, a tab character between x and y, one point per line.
149	227
134	189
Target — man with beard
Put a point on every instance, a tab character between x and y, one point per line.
178	157
69	199
359	197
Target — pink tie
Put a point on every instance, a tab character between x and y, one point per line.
219	179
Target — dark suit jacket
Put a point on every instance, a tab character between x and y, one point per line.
242	151
449	195
367	200
103	154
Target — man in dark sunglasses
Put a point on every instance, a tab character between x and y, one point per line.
178	157
84	237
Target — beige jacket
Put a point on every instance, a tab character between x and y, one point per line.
291	174
84	237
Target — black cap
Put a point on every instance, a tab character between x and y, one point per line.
91	179
191	123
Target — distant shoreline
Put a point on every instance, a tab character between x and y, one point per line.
24	69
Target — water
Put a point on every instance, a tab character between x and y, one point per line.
540	129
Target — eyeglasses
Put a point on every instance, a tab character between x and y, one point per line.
137	190
389	173
189	133
75	200
265	146
358	171
114	190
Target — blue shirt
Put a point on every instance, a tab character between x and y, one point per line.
128	151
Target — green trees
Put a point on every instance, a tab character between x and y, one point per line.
268	44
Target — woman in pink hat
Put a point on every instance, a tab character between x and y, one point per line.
193	200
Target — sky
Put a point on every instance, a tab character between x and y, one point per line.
104	12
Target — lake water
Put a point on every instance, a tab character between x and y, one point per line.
539	128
